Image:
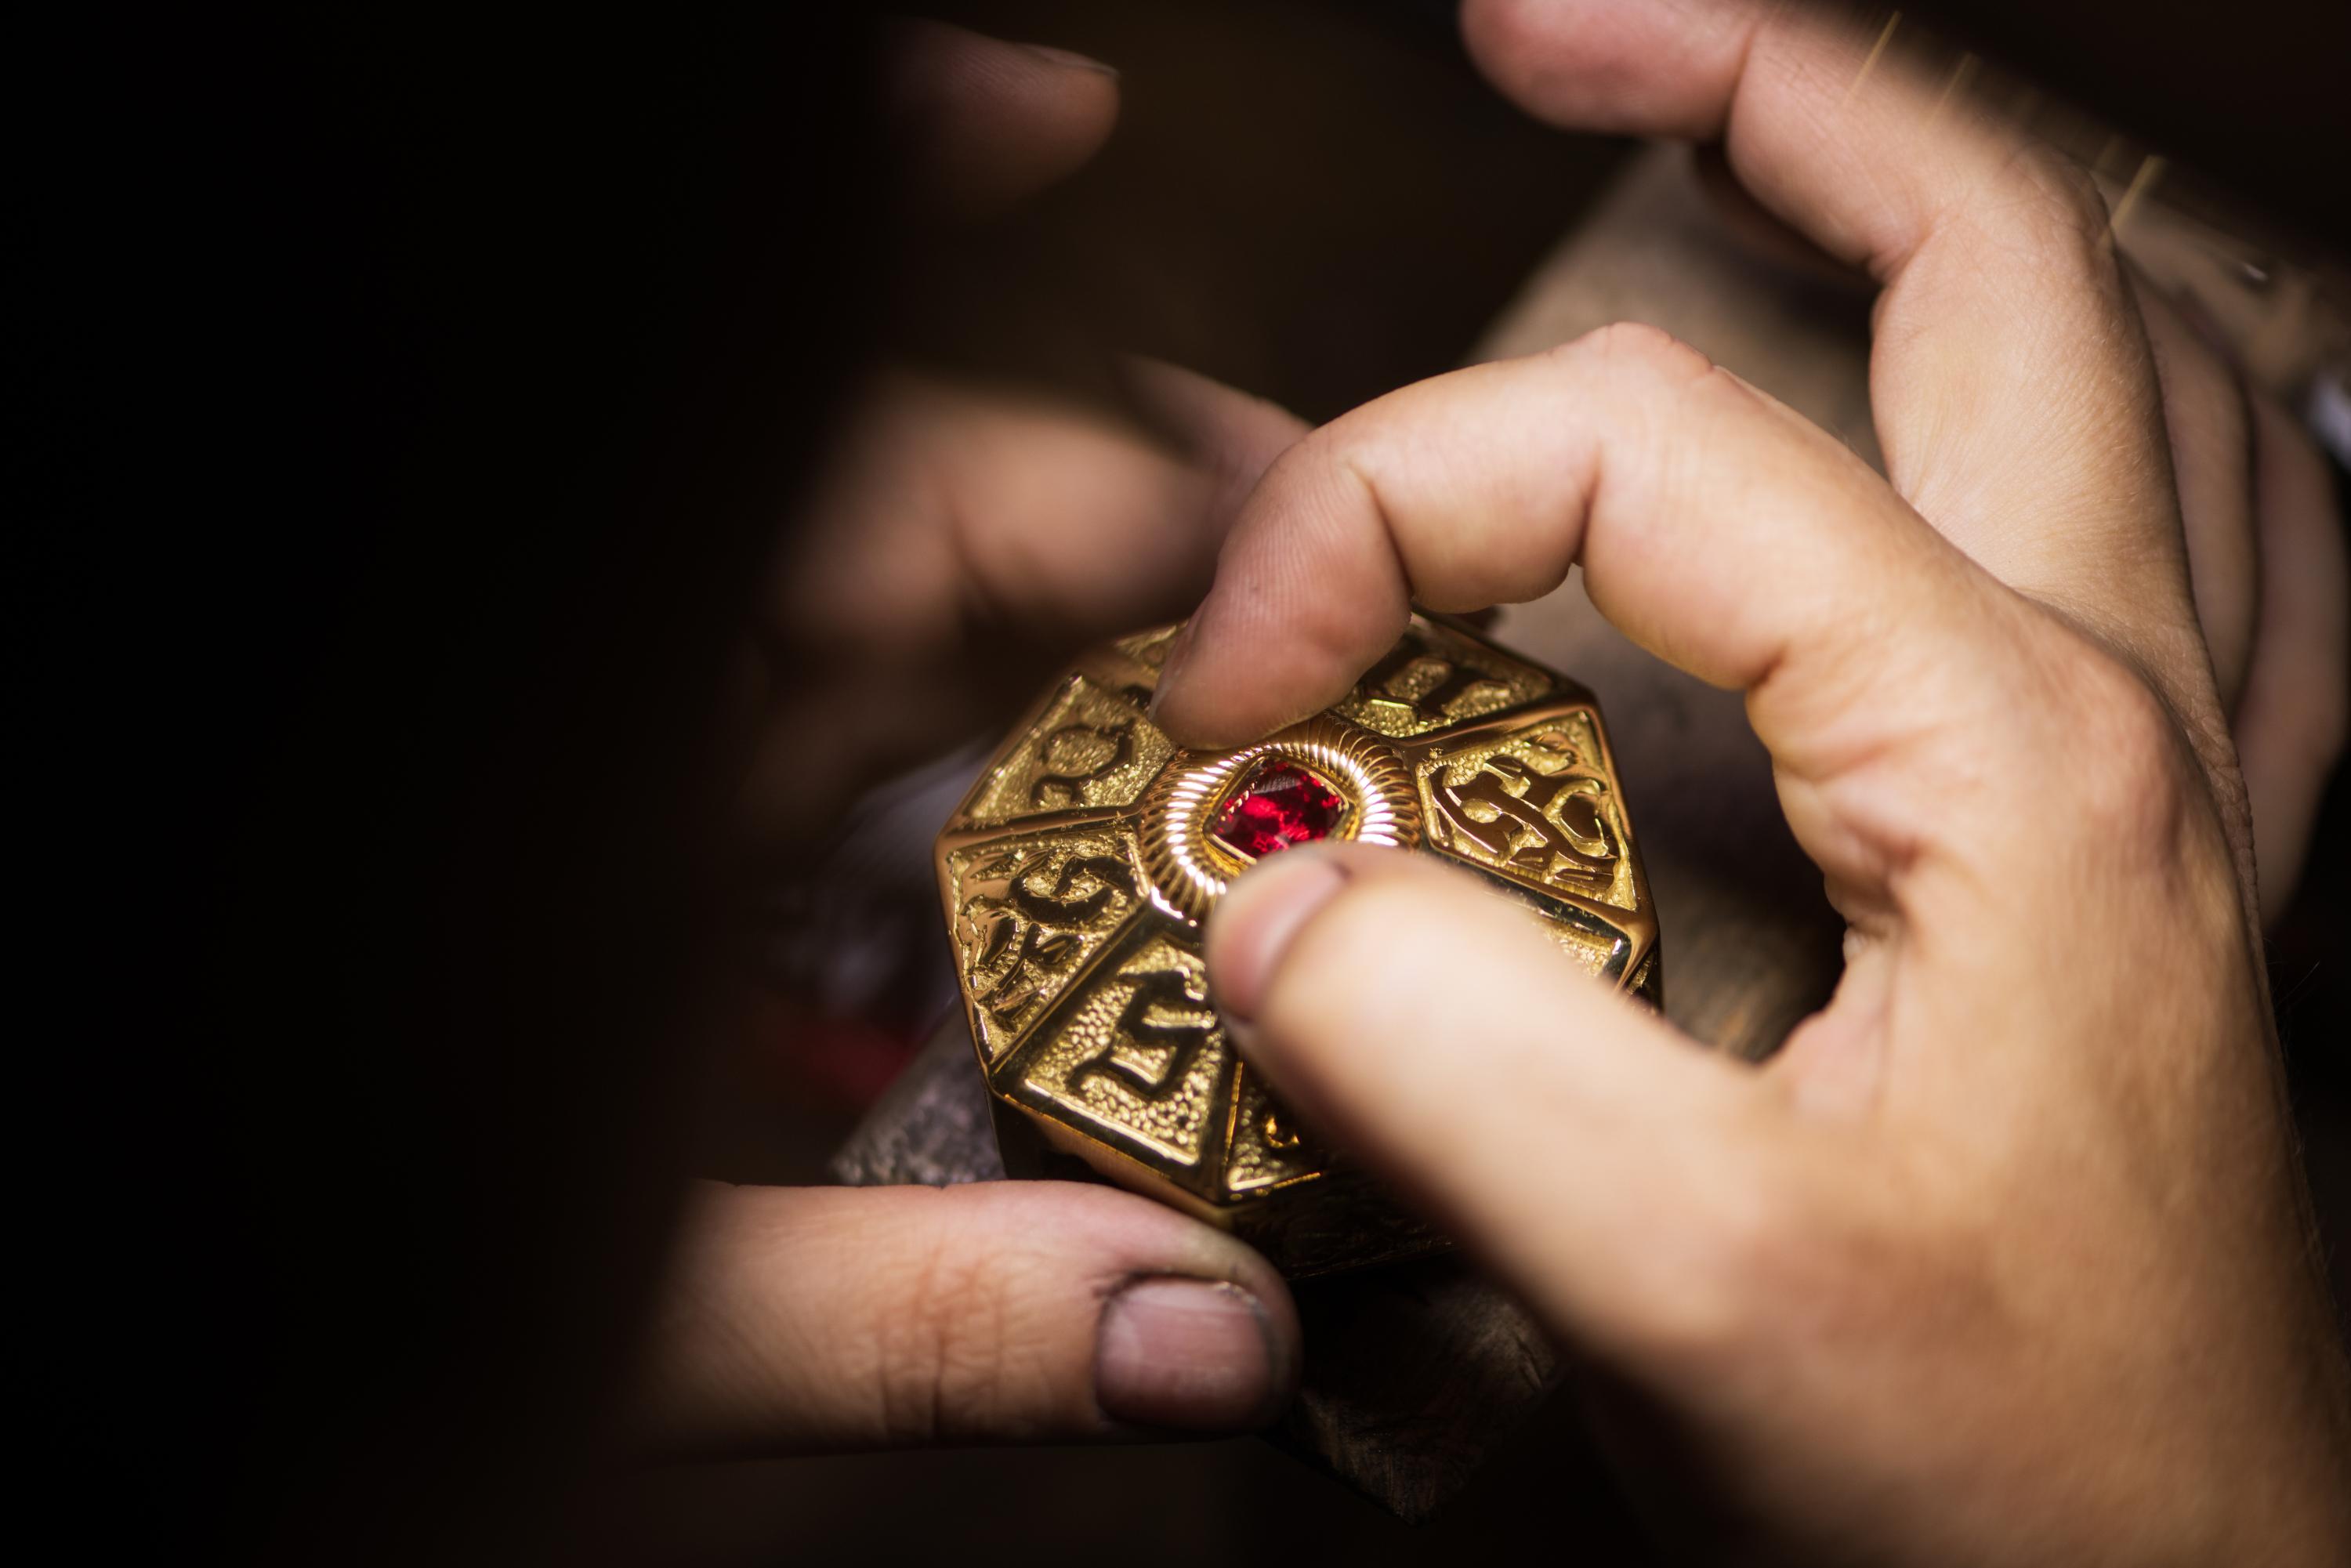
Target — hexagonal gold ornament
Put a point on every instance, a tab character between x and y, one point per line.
1076	874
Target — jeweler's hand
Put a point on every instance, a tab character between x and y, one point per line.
2004	1257
2263	540
950	520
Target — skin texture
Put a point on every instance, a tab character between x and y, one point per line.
2003	1257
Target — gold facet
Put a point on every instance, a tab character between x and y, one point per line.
1077	870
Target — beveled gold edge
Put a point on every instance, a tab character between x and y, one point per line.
1221	1207
1115	670
1014	738
952	839
1115	1164
1241	1075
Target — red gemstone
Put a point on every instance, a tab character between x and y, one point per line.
1278	805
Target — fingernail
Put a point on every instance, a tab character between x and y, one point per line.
1259	917
1177	652
1195	1354
1070	58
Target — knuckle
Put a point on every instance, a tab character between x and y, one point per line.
2052	208
944	1339
2123	771
1510	39
1639	349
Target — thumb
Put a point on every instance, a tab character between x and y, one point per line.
1585	1147
803	1320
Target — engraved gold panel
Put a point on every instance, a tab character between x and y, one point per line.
1534	801
1138	1056
1076	876
1030	912
1089	746
1437	677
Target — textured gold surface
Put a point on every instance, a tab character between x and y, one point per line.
1536	802
1090	747
1077	871
1437	677
1137	1057
1030	912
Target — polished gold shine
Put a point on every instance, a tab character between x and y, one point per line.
1078	870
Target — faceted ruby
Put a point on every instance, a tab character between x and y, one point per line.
1278	805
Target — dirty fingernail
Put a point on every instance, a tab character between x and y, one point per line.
1197	1355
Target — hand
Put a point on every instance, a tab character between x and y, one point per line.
2004	1257
2264	532
955	524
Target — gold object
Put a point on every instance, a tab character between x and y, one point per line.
1077	871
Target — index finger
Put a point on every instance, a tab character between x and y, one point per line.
2011	382
1716	528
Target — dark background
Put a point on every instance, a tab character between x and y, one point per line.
413	399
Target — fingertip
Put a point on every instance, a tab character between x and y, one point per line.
985	123
1213	692
1603	65
1259	917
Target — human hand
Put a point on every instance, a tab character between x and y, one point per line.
1734	277
958	533
2004	1257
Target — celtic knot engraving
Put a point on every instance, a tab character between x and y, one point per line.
1532	812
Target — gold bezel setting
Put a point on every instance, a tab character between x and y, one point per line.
1188	870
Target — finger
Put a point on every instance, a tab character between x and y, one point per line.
951	504
2208	420
1004	1312
1761	232
980	124
1232	437
1578	1142
1715	528
954	521
2009	381
2291	716
1933	737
